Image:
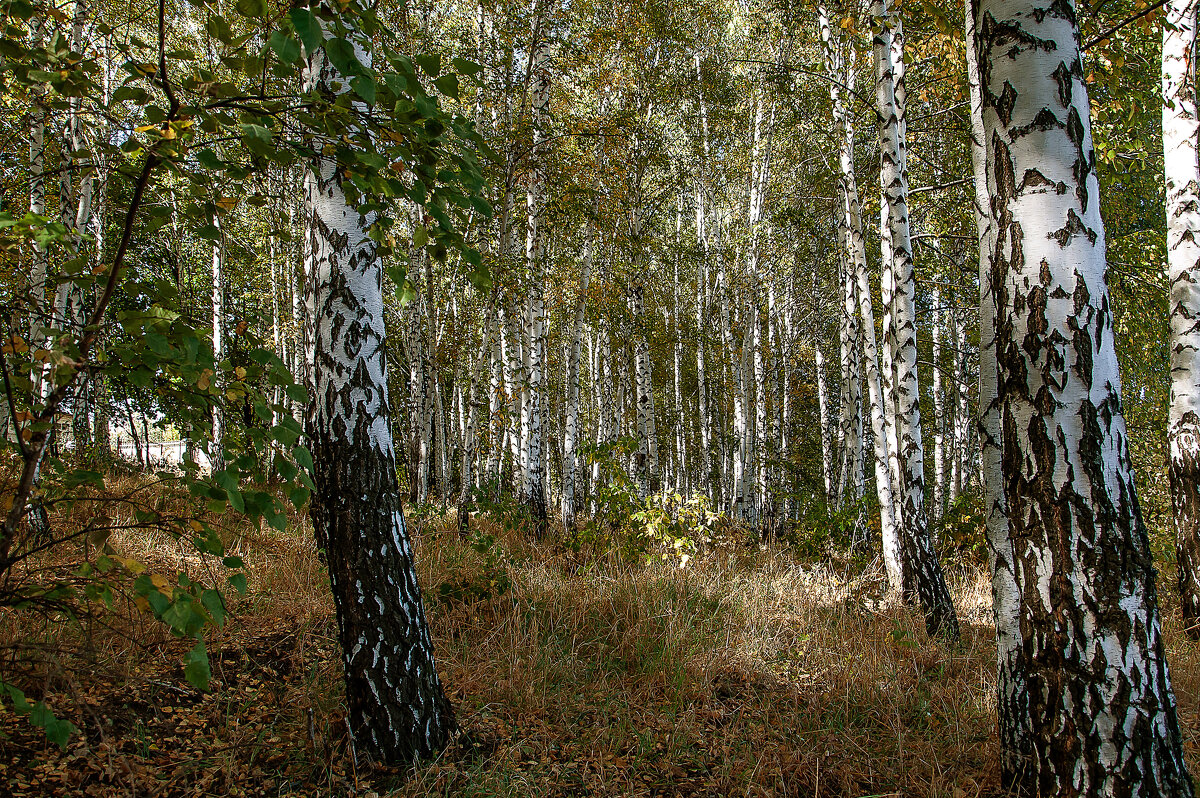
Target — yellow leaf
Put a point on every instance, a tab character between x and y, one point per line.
14	345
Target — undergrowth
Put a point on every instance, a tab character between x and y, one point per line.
755	670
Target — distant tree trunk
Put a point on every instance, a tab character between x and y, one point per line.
646	467
571	431
217	455
514	385
539	86
496	409
939	408
1101	716
823	421
470	437
397	709
1181	129
37	206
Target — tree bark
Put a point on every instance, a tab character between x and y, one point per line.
1097	697
398	711
1181	130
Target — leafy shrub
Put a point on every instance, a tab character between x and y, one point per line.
490	580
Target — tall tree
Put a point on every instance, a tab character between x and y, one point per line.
398	710
1096	715
921	575
1181	134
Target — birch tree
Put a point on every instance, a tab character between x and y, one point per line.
397	708
921	577
1095	714
1181	131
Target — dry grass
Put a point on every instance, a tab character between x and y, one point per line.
747	673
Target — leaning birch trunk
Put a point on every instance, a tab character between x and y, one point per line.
571	431
1181	130
1099	713
397	709
855	254
922	578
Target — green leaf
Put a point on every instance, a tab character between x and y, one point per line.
254	9
466	67
364	86
196	668
212	601
448	85
342	56
303	458
307	28
238	581
287	48
480	278
430	62
406	292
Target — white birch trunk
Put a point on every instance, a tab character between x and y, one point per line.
1094	714
1181	132
571	427
397	709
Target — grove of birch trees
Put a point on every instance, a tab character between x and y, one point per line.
888	273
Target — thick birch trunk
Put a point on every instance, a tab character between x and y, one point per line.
1096	712
397	709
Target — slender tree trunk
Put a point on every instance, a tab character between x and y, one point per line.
1181	130
1016	738
646	466
1097	694
850	224
939	409
397	709
922	578
571	431
217	454
539	87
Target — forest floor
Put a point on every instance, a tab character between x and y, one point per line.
749	672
